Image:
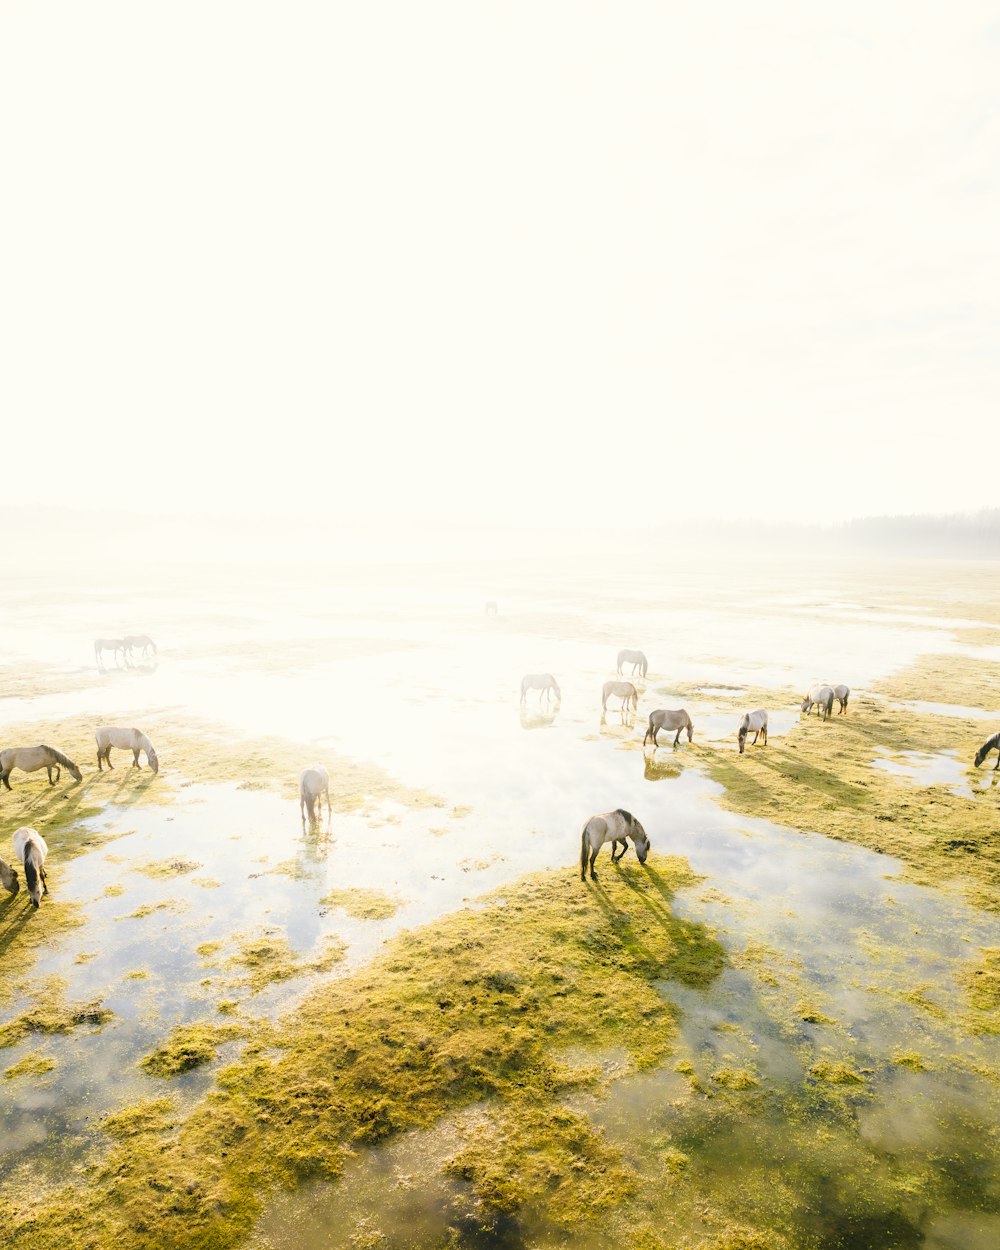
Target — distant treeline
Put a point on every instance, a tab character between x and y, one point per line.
962	534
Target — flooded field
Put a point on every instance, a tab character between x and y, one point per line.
411	1024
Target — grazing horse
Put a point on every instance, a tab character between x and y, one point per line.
133	740
613	827
138	642
757	721
822	697
664	719
30	849
8	878
543	682
842	694
30	759
623	690
491	608
636	658
991	744
117	645
313	784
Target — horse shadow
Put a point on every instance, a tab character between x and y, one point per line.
15	911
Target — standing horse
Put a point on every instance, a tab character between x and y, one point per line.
117	645
822	697
991	744
543	682
138	642
664	719
636	658
8	878
842	694
133	740
30	849
613	827
623	690
30	759
757	721
313	784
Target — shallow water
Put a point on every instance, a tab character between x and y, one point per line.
427	686
934	768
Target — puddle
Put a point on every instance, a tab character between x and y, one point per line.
956	710
933	769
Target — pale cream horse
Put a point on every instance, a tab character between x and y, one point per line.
31	759
133	740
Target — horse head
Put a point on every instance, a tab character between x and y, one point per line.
981	754
641	841
153	760
742	736
77	775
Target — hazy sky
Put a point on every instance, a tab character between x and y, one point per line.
570	261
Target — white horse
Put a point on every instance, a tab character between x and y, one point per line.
133	740
138	642
665	719
822	697
8	878
543	682
623	690
756	721
313	784
30	849
613	827
117	645
842	694
30	759
636	658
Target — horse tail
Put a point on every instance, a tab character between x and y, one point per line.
829	706
583	851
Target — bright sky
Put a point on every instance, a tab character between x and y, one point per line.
491	261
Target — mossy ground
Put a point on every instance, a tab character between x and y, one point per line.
362	904
483	1005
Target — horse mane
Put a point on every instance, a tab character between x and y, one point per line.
30	871
59	758
627	816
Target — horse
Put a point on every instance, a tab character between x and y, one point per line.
991	744
757	721
663	719
8	878
842	694
30	849
491	608
313	784
133	740
138	642
543	682
613	827
623	690
108	644
823	697
30	759
636	658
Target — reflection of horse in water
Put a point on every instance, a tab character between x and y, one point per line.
623	690
115	645
313	784
138	642
538	717
30	759
822	697
545	683
491	607
755	722
667	719
636	658
613	827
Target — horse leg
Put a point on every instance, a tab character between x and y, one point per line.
678	738
48	769
5	777
593	856
45	887
107	757
135	758
995	766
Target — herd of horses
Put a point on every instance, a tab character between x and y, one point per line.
617	827
29	845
